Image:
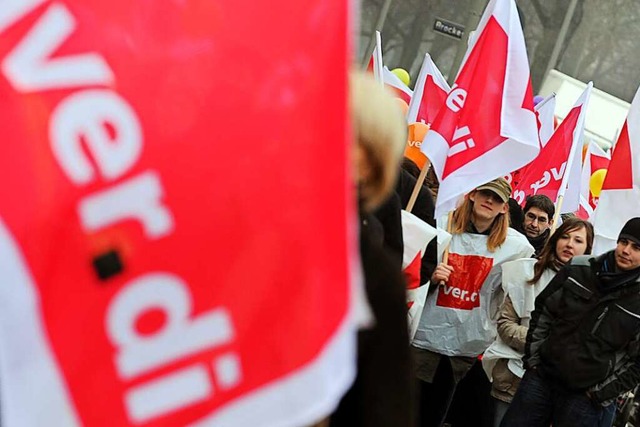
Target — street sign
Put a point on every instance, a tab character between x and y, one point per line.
448	28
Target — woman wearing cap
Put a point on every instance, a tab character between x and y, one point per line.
458	320
522	281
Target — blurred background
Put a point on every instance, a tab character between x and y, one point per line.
599	41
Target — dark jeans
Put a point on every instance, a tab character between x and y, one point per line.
608	415
436	397
472	405
540	401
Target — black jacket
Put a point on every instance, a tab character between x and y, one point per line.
585	329
390	217
382	394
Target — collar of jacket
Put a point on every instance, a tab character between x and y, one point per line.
610	277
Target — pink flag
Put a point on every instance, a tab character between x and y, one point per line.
488	127
554	172
393	82
620	196
430	93
594	160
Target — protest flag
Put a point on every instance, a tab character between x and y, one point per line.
545	119
430	92
556	171
396	85
158	266
487	127
620	196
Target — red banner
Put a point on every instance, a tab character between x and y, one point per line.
174	247
462	290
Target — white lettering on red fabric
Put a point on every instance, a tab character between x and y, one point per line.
83	116
29	66
462	141
456	98
546	177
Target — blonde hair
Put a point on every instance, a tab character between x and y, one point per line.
381	131
499	227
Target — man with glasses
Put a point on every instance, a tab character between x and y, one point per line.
538	219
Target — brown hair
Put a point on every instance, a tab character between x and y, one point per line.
499	226
548	257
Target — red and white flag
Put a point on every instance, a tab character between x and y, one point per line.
620	196
416	235
545	119
595	159
556	171
487	127
430	93
383	75
396	85
146	279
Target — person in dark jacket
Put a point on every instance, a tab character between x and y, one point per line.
538	220
382	393
583	343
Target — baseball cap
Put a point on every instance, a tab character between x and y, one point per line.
500	186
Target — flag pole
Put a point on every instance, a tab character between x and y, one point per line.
557	214
544	101
382	17
417	187
445	255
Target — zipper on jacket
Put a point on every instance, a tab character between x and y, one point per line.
599	320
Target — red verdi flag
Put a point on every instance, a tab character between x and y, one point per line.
174	249
487	127
556	171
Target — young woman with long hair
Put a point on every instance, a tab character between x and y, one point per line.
522	281
456	324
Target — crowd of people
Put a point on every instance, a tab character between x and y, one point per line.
521	326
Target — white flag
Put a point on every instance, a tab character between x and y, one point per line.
545	112
595	159
620	196
392	81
